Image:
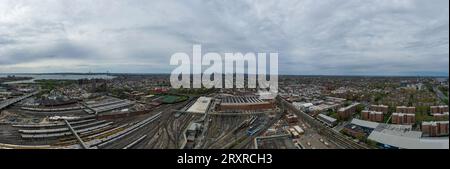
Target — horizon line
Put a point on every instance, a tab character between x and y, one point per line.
123	73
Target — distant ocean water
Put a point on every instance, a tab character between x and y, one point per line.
54	77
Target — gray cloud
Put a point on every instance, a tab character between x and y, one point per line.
375	37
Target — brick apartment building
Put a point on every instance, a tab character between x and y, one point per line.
435	128
439	109
347	112
404	109
374	116
403	118
380	108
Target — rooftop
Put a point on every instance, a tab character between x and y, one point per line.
403	114
328	118
242	100
201	105
434	122
348	107
363	123
406	142
402	136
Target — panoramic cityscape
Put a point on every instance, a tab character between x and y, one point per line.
121	111
347	74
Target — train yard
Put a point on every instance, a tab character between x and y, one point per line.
93	124
212	122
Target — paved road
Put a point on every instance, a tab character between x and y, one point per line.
439	93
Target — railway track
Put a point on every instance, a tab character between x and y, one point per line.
343	142
228	131
337	138
184	124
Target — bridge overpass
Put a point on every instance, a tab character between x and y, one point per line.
10	102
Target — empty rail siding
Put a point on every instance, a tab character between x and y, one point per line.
154	130
170	131
228	126
168	127
148	129
111	139
344	142
213	134
135	142
183	125
158	134
187	121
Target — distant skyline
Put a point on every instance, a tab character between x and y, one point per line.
313	75
329	37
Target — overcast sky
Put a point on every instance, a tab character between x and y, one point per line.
326	37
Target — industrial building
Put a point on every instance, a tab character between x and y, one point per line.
435	128
395	136
329	121
363	123
201	105
400	136
317	107
244	103
302	106
359	128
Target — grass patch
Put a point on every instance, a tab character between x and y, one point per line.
386	117
444	90
420	116
169	99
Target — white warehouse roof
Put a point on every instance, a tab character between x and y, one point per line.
364	123
201	105
330	119
402	136
409	142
